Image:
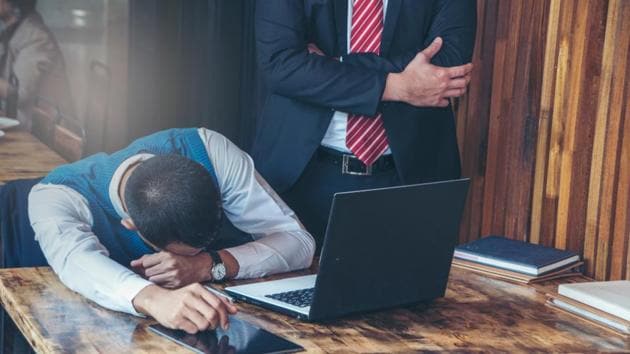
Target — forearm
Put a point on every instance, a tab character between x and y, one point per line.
398	87
202	263
319	80
84	266
289	70
394	84
101	280
372	61
275	253
453	21
394	88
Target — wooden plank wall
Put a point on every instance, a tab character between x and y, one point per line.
544	131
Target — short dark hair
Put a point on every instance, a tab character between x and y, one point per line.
25	6
171	198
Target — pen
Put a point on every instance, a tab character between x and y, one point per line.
220	293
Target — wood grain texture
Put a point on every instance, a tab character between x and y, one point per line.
546	142
477	314
23	156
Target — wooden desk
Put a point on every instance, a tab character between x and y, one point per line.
477	314
23	156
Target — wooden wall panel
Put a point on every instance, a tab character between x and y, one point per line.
473	117
605	159
544	129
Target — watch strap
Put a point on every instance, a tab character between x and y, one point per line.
216	261
216	257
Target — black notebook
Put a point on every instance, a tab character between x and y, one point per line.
517	256
240	338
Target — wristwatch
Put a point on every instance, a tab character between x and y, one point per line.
218	268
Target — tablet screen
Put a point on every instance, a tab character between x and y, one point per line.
241	337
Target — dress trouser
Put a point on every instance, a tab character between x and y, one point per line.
311	196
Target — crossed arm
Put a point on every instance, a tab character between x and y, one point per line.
424	76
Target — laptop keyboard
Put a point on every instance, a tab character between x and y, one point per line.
299	298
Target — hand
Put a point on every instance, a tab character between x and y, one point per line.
314	49
191	308
423	84
171	270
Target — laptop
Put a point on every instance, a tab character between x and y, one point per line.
383	248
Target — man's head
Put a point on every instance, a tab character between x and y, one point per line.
172	200
8	7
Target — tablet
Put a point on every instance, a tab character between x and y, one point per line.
241	337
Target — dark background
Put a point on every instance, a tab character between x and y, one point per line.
192	63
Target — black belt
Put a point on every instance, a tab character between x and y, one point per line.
351	165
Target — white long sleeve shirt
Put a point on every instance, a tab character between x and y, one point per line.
62	222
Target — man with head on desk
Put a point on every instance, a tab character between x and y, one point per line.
357	95
156	208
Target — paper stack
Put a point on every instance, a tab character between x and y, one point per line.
606	304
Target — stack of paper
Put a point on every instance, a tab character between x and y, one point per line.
516	260
606	304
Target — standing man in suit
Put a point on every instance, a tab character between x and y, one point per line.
357	95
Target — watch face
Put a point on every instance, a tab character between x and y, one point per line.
218	272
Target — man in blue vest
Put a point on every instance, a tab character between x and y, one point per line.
138	230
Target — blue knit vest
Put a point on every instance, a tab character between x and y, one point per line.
91	178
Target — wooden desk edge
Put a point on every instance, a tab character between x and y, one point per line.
34	336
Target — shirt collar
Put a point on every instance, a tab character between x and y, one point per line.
114	184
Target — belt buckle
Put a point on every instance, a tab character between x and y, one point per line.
345	167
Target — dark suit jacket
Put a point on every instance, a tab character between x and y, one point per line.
303	90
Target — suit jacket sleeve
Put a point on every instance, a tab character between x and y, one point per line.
453	20
289	70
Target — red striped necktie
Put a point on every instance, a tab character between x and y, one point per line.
365	136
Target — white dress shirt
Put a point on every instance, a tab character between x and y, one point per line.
335	137
62	222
